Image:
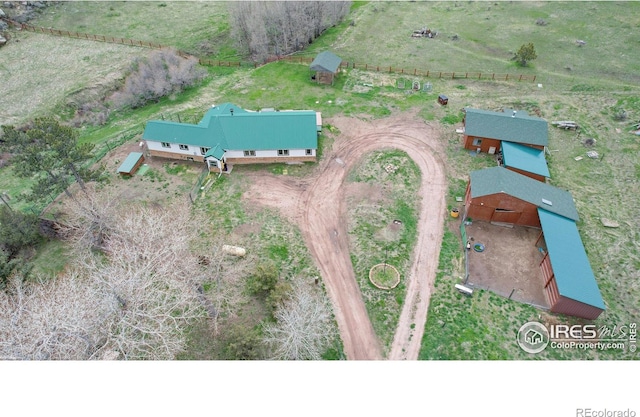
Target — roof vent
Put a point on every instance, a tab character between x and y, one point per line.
547	202
514	114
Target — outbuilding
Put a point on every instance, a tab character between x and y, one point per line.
500	195
131	164
524	160
326	66
569	283
485	130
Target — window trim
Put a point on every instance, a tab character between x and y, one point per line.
308	152
165	144
204	150
283	152
477	141
183	147
249	153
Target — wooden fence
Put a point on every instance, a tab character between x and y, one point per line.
295	59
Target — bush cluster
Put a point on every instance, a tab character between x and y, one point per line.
164	72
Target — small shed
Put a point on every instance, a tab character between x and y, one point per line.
442	99
131	164
326	65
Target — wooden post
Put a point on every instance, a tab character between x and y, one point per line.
520	79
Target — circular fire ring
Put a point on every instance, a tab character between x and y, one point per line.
478	247
384	276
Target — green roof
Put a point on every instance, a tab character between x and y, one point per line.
501	180
525	158
501	125
326	61
233	128
130	162
217	152
573	273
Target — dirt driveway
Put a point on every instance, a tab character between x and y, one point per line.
317	204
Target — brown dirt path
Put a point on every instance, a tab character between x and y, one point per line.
317	205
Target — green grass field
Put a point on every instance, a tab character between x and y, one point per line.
588	84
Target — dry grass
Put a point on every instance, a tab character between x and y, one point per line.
40	71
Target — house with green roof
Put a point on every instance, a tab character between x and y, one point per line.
500	195
524	160
485	130
325	66
228	134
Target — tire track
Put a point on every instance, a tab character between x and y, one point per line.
318	206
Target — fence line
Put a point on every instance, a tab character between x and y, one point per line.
294	59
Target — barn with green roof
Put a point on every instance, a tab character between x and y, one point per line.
485	130
499	195
228	134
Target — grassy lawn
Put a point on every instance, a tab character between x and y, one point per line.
588	84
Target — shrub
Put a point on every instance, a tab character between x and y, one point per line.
162	73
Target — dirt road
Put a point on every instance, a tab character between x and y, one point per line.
317	205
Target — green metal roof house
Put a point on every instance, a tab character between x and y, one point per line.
569	282
525	160
326	65
484	130
228	134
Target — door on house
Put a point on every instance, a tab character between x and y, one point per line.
505	216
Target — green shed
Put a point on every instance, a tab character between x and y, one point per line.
131	164
326	65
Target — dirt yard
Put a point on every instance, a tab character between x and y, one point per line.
509	262
317	204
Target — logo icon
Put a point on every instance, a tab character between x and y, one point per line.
533	337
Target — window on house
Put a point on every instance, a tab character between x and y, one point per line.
308	152
204	150
249	153
166	145
184	147
283	152
477	141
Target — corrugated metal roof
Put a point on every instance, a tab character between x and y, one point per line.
326	61
525	158
496	180
233	128
130	162
573	273
504	126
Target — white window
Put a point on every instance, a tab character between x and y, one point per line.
204	150
477	141
166	145
308	152
283	152
249	153
184	147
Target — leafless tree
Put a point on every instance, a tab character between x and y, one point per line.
304	326
263	28
130	300
163	72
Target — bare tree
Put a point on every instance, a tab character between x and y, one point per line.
282	27
131	299
304	326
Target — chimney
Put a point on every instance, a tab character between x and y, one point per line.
231	110
514	114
